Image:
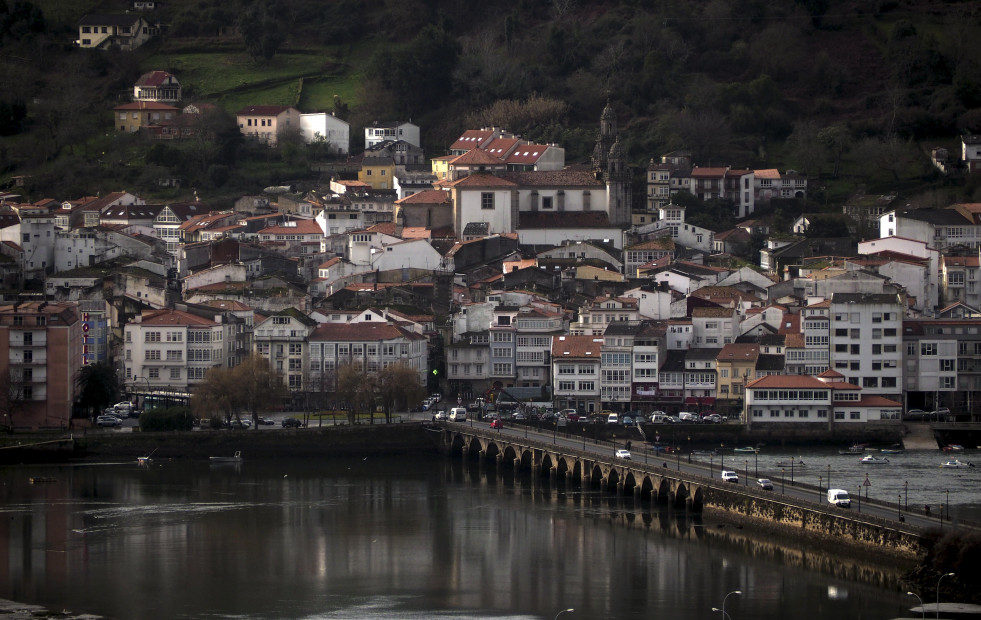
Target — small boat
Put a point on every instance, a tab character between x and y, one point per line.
955	464
953	448
748	449
704	453
143	460
236	458
874	460
798	463
42	480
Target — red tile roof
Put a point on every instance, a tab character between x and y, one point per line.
477	156
172	318
787	381
576	347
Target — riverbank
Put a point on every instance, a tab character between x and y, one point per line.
11	610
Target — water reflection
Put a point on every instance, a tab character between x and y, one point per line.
395	539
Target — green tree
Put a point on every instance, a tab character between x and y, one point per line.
98	385
398	387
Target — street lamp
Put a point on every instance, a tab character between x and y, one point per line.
583	438
829	475
922	608
906	496
783	480
723	610
859	498
570	610
938	590
820	487
746	469
899	507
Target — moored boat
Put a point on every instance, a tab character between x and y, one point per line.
953	448
956	464
873	460
236	458
798	463
748	449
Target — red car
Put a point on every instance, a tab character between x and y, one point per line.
496	423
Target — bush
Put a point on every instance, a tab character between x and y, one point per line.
169	419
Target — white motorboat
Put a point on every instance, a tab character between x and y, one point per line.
236	458
956	464
873	460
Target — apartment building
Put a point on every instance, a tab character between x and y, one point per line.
282	340
171	350
576	372
42	344
866	341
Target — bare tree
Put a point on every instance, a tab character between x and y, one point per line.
399	384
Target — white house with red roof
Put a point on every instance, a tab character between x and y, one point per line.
293	232
173	350
576	372
326	126
708	183
822	402
159	86
264	122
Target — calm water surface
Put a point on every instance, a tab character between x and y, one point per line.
394	538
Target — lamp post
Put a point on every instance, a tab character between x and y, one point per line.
723	610
564	611
922	608
859	498
756	457
906	496
899	507
746	469
820	487
938	590
783	480
829	475
583	438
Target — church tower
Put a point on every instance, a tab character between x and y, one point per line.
610	164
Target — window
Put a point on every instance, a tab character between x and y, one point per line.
870	382
947	383
928	348
502	369
153	373
486	200
567	386
945	365
175	373
151	355
587	386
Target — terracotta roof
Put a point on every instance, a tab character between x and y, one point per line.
472	138
262	110
500	147
738	352
707	172
385	228
428	196
481	180
555	178
832	374
153	78
724	313
576	347
794	341
302	227
146	105
477	156
664	243
961	261
227	304
360	332
527	154
172	318
768	173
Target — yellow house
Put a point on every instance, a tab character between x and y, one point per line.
131	117
441	166
378	172
736	366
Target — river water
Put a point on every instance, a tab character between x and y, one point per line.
396	538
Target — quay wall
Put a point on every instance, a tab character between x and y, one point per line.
847	530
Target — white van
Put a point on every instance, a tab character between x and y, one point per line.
839	497
458	414
613	419
689	417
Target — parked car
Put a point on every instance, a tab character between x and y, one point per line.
712	418
765	484
497	423
940	414
291	423
439	415
517	415
672	419
108	421
730	476
689	417
623	454
628	421
266	421
916	415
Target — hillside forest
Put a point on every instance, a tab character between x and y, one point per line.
853	94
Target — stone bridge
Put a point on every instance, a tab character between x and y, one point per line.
645	482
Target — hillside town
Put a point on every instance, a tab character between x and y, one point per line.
498	267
